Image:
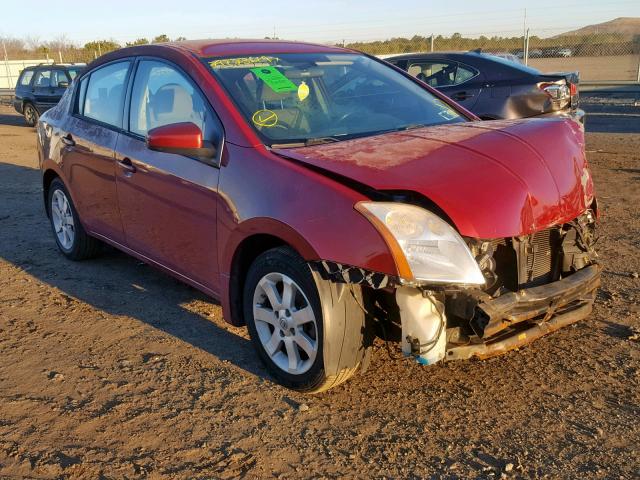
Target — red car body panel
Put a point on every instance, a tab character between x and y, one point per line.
497	179
189	218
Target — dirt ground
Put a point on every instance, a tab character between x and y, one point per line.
615	67
109	369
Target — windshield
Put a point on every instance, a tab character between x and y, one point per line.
314	97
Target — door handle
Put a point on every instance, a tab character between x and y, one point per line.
68	140
462	95
126	165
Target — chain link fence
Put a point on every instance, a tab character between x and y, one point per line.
597	56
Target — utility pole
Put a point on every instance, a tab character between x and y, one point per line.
431	50
524	37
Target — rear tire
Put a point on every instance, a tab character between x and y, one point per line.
70	236
31	114
289	321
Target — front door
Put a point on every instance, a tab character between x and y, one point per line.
168	202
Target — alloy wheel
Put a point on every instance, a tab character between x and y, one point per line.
62	219
286	323
30	114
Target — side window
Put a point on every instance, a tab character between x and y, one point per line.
82	91
440	73
105	93
58	76
464	73
72	73
43	79
25	80
161	95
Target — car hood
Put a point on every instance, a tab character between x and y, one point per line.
493	179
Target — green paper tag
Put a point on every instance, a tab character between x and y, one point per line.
276	80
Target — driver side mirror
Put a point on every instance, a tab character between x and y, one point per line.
184	138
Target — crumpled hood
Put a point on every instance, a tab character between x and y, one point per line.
493	179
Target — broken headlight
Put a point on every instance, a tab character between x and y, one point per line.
425	247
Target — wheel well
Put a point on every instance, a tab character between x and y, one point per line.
47	178
245	254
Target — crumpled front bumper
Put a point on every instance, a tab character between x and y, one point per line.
515	319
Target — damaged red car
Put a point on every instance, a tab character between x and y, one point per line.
326	199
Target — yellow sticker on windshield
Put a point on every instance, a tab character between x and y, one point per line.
303	91
265	118
262	60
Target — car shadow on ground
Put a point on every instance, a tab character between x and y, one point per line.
114	282
14	120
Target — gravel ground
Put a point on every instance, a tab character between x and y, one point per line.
109	369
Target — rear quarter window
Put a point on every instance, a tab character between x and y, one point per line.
25	78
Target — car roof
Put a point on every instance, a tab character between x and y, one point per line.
474	58
55	65
448	54
226	47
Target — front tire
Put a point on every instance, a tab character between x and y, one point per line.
71	238
31	114
284	314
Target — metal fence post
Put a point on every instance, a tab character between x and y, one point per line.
6	65
431	42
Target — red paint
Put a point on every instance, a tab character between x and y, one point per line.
176	135
492	179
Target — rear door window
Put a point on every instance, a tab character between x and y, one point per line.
58	76
105	93
43	79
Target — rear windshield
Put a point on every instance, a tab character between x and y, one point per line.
512	64
301	98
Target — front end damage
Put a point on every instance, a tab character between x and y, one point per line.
534	285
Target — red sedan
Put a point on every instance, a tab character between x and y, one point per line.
325	198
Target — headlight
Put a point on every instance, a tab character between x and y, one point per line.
425	247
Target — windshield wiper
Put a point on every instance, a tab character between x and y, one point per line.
412	126
320	140
307	143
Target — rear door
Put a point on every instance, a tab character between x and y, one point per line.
460	82
42	90
168	202
88	143
59	83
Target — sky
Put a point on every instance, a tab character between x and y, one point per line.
319	21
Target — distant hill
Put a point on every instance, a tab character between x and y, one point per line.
628	26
